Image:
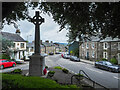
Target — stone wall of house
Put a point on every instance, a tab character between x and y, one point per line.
112	50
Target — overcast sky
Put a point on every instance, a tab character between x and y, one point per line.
48	30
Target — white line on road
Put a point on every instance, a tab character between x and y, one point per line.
93	70
116	77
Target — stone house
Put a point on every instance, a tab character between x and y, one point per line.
96	49
61	47
19	48
46	47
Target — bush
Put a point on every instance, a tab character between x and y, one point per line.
19	81
51	73
114	61
58	67
104	59
46	67
97	60
79	76
17	71
65	70
4	56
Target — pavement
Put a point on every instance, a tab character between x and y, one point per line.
87	61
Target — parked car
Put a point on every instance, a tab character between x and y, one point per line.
51	53
75	58
57	53
66	56
106	65
19	61
6	63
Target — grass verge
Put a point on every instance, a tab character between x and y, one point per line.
19	81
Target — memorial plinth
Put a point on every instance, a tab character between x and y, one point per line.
36	65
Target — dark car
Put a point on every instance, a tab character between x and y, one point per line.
57	53
51	53
106	65
75	58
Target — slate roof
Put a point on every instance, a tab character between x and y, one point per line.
107	39
13	37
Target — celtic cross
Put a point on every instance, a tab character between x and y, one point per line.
37	20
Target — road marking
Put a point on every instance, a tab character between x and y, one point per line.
116	77
93	70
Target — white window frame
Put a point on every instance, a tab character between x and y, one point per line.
118	45
93	45
87	45
106	45
104	55
93	54
82	45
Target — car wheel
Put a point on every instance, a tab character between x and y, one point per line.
2	66
96	66
13	65
110	69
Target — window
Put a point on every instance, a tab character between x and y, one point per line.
82	45
93	45
13	45
105	55
119	46
87	45
105	45
22	45
93	54
31	50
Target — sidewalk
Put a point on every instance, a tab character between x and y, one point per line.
87	61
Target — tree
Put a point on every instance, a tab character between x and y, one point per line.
6	45
81	19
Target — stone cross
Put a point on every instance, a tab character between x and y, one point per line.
37	20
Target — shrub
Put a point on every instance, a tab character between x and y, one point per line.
17	71
114	61
46	67
4	56
97	60
65	70
79	76
104	59
51	73
58	67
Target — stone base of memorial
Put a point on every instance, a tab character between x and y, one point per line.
36	65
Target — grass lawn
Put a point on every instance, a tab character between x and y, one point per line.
19	81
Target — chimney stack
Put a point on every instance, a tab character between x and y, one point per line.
18	32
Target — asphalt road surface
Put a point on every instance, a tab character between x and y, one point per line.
105	78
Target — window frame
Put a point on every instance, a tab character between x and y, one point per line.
105	56
22	45
105	45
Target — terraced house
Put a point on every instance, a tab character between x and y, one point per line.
19	48
96	49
